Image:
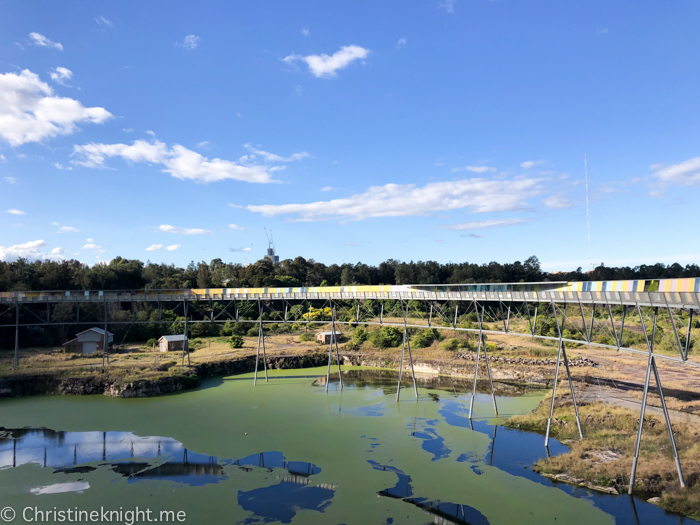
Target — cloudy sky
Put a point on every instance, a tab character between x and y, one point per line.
450	130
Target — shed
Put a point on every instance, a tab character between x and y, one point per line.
88	342
327	338
172	343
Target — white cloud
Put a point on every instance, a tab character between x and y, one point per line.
99	250
60	166
55	223
40	40
686	173
68	229
475	169
58	251
271	157
14	211
151	133
154	248
128	130
305	32
90	246
473	236
327	188
236	227
401	42
90	240
30	112
325	66
479	225
60	75
2	158
558	202
183	231
104	22
11	180
400	200
531	163
29	250
180	162
204	144
238	249
190	42
173	247
447	5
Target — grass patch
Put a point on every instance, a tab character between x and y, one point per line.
604	456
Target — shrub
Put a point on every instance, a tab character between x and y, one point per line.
274	327
425	338
360	335
306	337
451	344
235	341
386	337
152	341
253	332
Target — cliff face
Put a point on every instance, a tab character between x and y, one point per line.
27	385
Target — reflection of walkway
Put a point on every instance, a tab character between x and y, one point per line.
124	451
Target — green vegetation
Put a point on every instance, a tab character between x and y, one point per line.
386	337
235	341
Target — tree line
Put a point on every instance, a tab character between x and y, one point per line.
132	274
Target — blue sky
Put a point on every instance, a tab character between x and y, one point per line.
355	131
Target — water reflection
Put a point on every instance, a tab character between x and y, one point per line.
124	452
442	512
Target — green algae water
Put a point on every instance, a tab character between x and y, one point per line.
285	451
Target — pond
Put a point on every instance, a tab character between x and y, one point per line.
286	451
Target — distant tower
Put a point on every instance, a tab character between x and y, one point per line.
271	248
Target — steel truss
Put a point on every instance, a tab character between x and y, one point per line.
588	322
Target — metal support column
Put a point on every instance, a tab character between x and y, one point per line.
186	342
261	340
687	336
675	332
583	322
105	350
334	339
488	367
562	349
650	346
476	364
15	364
681	480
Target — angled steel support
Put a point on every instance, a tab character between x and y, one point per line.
614	329
583	322
672	438
334	339
650	346
105	355
261	341
406	342
561	353
186	342
330	354
675	331
651	366
622	326
590	331
476	365
15	363
687	336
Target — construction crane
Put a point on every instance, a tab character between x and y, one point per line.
270	248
